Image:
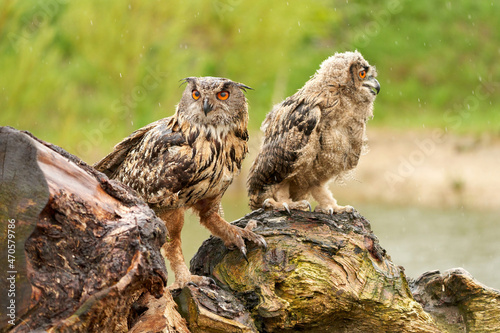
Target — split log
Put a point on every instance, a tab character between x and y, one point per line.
458	302
209	309
324	273
86	247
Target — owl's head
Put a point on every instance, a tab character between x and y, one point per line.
214	103
351	73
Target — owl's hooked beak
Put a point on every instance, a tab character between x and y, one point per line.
373	84
207	107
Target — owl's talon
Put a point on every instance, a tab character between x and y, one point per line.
243	251
211	282
287	208
193	280
334	209
263	243
266	204
310	207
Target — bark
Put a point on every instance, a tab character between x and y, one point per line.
209	309
458	302
87	259
330	274
86	247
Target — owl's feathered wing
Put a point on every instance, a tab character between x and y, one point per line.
287	129
155	161
112	162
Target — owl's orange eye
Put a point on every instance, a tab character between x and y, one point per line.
223	95
196	94
362	74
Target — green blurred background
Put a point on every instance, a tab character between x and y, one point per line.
85	74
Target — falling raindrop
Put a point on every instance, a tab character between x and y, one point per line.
120	74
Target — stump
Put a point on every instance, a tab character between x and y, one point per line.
324	273
85	247
458	302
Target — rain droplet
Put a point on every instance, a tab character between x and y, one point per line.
120	74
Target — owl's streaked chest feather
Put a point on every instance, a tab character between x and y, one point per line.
177	165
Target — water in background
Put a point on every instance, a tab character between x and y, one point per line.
419	239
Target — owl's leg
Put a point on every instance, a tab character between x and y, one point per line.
174	220
233	236
326	202
283	201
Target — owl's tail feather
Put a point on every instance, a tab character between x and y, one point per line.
256	201
257	191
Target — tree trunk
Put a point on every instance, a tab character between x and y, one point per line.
83	248
82	254
458	302
324	273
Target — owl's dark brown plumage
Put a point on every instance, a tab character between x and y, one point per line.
188	161
315	135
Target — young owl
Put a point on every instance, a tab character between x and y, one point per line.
313	136
187	161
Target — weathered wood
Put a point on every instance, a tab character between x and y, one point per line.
209	309
87	257
318	274
156	315
457	301
94	248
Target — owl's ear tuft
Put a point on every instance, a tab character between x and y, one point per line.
243	86
186	80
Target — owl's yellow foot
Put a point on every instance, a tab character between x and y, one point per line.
192	279
288	206
333	209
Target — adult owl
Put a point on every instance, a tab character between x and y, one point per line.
315	135
188	161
